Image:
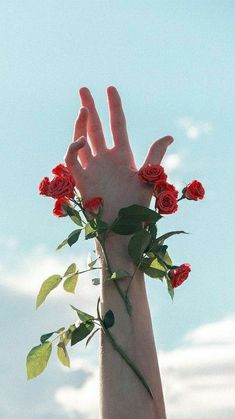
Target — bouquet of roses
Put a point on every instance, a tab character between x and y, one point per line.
146	248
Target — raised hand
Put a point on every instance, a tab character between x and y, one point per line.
109	172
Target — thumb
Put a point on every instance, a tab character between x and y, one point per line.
157	150
71	159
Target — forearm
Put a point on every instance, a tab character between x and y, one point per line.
121	392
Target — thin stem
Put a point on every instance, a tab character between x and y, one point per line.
88	270
81	208
122	353
132	276
123	295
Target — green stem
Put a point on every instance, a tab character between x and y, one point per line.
81	208
122	294
182	197
87	270
122	353
132	276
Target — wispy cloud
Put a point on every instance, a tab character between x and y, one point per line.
198	377
30	269
192	128
83	400
172	162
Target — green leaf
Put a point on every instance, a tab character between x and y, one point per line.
92	263
153	231
66	337
138	244
158	249
108	319
167	235
37	359
62	244
170	288
99	225
96	281
73	237
124	225
157	265
74	215
167	259
91	335
70	283
140	213
118	275
81	332
47	286
152	268
71	269
84	317
63	354
47	336
90	232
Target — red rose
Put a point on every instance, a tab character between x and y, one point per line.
194	190
152	173
43	186
166	203
179	275
60	187
59	210
60	170
94	204
162	185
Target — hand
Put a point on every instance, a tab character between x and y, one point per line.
109	172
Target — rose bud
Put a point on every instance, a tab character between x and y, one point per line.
60	170
194	191
152	173
43	186
94	204
179	275
59	208
60	187
166	203
162	185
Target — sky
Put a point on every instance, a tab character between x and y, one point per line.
173	64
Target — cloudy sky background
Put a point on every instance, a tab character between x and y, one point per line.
173	63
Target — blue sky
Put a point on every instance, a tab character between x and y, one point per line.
173	63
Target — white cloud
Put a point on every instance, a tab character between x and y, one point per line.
194	129
216	333
198	377
83	400
30	269
171	162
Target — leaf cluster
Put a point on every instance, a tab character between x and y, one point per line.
38	357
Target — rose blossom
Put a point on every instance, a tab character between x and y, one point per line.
166	203
43	186
162	185
179	275
152	173
59	210
194	190
61	186
94	204
60	170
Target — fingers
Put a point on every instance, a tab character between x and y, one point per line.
80	130
117	118
157	150
71	159
94	126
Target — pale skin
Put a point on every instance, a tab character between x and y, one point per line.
111	173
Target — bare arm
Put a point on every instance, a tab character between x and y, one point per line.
112	174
